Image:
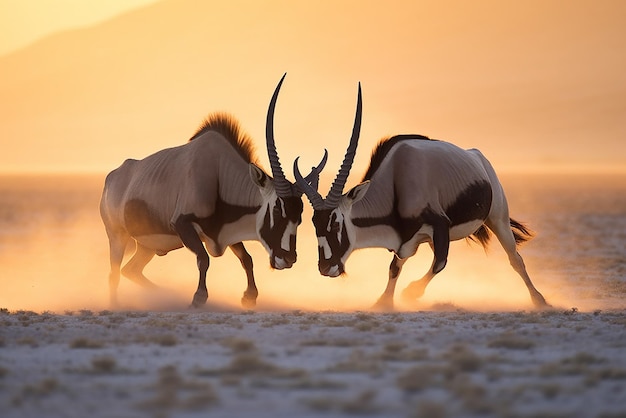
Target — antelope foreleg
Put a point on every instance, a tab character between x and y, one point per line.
440	245
248	300
385	301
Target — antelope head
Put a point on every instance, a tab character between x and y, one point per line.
335	232
281	209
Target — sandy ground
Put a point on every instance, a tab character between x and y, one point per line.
440	363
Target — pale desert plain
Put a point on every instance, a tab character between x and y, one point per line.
439	363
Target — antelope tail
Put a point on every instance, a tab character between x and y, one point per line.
521	232
481	236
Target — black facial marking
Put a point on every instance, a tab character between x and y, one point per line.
293	207
327	226
320	221
278	209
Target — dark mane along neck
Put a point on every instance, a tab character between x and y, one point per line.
227	126
382	149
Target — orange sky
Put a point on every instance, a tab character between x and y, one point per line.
532	84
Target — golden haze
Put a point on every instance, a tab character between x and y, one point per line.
60	262
532	84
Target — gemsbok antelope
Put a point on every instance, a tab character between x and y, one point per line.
415	190
208	192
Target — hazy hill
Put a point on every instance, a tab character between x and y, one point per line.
526	83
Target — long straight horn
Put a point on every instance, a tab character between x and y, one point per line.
311	193
332	200
281	184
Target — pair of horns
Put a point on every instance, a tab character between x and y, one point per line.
336	190
284	188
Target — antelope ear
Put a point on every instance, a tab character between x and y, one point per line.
356	193
259	177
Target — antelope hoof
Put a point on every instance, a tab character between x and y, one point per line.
539	301
248	301
113	303
383	304
413	291
199	298
409	295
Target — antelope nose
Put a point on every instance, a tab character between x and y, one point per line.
329	270
334	271
291	258
278	263
284	262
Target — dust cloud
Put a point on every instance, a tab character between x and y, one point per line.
54	257
59	263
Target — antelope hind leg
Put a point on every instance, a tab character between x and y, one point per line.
134	268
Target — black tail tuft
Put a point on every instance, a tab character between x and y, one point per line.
520	232
482	236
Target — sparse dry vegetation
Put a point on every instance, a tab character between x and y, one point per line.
239	345
419	378
364	403
173	392
103	364
358	362
434	364
462	359
429	409
84	342
166	340
511	341
42	388
29	341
